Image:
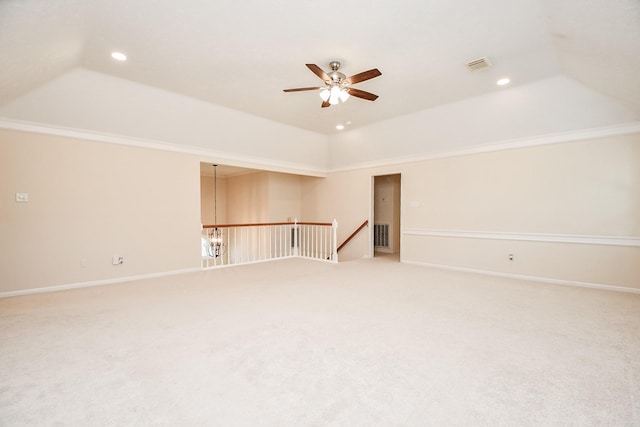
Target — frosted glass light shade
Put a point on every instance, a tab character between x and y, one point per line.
335	95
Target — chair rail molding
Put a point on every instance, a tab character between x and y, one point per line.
530	237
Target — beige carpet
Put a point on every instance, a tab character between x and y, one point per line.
302	343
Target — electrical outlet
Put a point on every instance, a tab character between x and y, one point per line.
117	260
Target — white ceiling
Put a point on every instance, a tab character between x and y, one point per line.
241	54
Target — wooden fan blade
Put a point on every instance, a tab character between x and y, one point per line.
300	89
318	71
365	75
325	104
362	94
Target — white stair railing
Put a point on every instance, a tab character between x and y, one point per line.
232	244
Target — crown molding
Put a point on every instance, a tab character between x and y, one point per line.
508	144
275	166
204	154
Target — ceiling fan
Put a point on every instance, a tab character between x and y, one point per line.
337	86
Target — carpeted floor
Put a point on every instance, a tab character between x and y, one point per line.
302	343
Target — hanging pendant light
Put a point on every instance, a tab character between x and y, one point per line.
215	235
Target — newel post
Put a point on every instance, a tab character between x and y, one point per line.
295	236
334	227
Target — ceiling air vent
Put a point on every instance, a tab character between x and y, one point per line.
479	64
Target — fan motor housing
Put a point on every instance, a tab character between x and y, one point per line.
336	76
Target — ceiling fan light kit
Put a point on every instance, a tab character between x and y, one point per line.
337	85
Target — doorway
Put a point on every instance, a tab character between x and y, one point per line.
386	216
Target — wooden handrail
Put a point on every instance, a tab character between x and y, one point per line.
264	224
363	225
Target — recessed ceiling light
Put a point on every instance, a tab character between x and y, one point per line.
340	127
503	81
119	56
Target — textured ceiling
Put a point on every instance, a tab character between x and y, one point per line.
241	54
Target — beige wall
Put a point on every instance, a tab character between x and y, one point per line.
89	201
209	204
586	263
285	197
248	198
585	188
263	197
345	196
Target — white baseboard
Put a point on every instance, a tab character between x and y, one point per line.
259	261
425	264
95	283
384	249
138	277
526	277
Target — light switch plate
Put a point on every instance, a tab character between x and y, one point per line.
22	197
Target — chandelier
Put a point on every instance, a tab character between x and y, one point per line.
214	234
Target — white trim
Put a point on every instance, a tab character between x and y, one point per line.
80	285
254	163
260	261
508	144
526	277
96	283
204	153
239	264
529	237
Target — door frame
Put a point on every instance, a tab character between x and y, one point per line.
372	212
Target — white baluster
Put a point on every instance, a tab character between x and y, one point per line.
334	242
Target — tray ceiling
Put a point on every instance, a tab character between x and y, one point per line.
242	54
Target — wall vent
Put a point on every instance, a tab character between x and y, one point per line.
381	235
479	64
